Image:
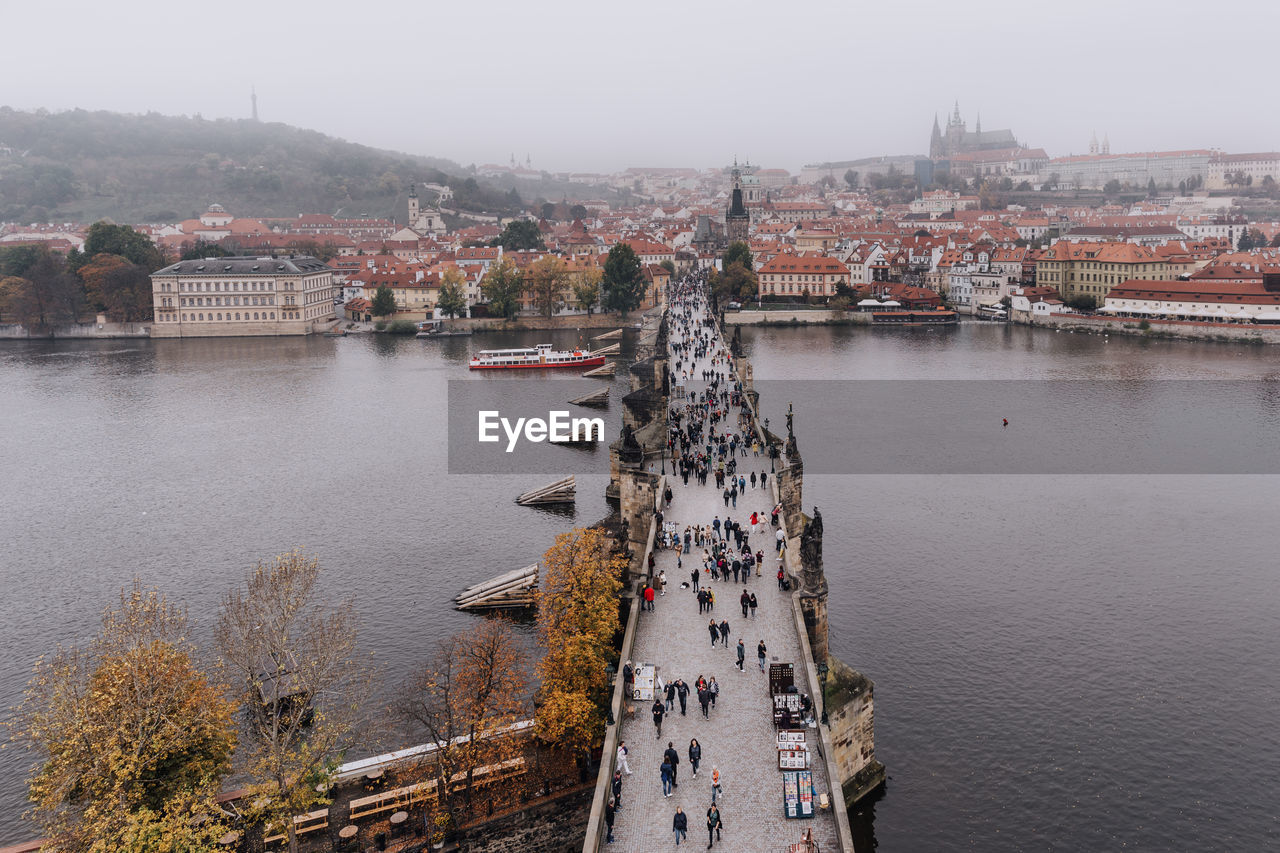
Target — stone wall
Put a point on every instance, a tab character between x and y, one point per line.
553	826
851	712
16	331
796	316
1174	329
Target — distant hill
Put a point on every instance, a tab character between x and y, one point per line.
83	166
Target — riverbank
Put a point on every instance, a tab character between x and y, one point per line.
74	331
1161	329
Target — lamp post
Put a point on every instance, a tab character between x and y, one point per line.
823	669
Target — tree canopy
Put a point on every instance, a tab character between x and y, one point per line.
546	279
577	618
520	235
452	300
502	287
384	302
623	284
293	664
135	738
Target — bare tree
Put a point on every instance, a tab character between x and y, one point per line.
295	665
473	689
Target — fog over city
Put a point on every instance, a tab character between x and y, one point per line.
584	85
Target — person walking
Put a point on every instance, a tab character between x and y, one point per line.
782	578
622	750
671	696
617	790
648	596
742	656
695	755
610	809
716	792
781	537
714	825
662	582
658	711
724	633
753	604
680	825
745	601
694	577
761	653
673	758
714	631
704	699
682	693
665	772
714	689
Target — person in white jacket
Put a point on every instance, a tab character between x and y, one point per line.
622	757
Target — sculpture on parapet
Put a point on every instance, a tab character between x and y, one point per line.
630	450
790	421
811	542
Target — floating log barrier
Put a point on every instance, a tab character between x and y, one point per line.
606	369
559	492
507	591
608	336
612	349
597	399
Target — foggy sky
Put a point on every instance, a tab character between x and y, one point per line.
595	85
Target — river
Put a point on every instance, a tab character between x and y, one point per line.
1062	661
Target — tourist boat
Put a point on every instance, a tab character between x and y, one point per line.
540	356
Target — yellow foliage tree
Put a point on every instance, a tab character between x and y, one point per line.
577	602
135	738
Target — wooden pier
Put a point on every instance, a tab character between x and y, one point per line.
608	336
596	399
505	592
560	492
606	369
612	349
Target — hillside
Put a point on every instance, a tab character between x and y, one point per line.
82	166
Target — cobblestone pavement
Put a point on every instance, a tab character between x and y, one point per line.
739	735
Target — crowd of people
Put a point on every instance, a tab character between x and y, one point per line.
712	443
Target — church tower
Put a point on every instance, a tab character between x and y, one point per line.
935	141
736	219
413	205
1093	143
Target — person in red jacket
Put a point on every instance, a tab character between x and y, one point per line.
648	597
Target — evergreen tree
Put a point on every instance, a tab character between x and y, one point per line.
623	283
384	302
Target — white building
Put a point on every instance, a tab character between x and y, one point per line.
236	297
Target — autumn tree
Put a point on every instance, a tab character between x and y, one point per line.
37	287
545	281
586	290
452	300
473	687
502	287
734	283
623	283
134	739
384	302
737	252
118	287
577	601
293	664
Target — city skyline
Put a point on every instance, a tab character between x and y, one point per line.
603	89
